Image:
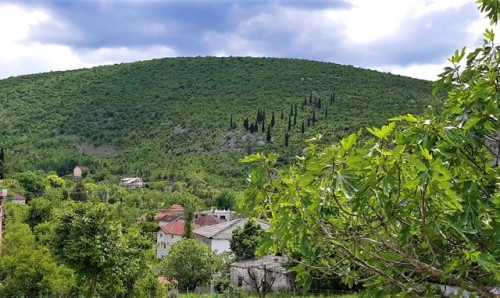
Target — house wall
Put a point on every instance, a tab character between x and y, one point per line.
239	277
220	245
164	242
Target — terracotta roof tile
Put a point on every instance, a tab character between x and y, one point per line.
173	228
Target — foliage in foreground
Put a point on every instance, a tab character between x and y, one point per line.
417	204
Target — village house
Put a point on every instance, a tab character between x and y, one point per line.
78	172
263	275
175	209
217	237
222	214
207	220
132	182
168	218
166	236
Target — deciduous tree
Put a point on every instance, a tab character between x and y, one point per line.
190	263
417	204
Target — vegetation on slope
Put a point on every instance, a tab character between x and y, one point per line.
183	118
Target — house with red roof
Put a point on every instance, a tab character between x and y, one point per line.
175	209
207	220
168	218
166	236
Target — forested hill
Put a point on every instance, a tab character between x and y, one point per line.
186	118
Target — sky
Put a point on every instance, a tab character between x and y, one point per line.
407	37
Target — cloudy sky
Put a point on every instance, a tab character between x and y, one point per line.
408	37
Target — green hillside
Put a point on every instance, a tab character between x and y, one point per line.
170	119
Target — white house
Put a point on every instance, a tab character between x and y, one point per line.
218	237
166	236
221	214
78	171
266	274
132	182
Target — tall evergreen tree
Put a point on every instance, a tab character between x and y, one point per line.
268	135
245	124
272	120
289	123
286	139
302	128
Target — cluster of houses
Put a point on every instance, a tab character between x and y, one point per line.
135	182
214	228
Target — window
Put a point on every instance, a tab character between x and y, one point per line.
222	217
240	281
172	236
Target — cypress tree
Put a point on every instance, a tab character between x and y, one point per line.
326	112
268	135
319	103
295	113
245	124
2	165
303	128
263	128
294	119
231	122
289	122
272	120
286	139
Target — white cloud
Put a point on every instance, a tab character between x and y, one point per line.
419	71
20	56
15	23
111	55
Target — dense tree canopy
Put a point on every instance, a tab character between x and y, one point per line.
190	263
415	205
27	268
